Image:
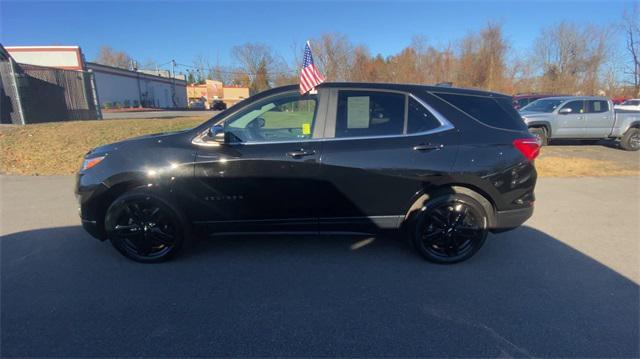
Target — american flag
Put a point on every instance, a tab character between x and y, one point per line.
310	77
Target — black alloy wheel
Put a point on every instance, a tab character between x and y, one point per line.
450	229
144	227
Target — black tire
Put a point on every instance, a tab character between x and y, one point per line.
145	227
631	140
450	228
541	134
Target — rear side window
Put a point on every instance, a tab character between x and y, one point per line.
419	119
597	106
496	112
369	113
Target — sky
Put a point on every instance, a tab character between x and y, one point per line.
167	30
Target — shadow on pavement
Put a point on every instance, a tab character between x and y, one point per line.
524	294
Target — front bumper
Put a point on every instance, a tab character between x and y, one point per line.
507	220
90	206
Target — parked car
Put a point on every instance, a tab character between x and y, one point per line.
629	105
587	117
521	100
445	166
218	105
197	105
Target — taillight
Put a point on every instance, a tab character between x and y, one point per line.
529	147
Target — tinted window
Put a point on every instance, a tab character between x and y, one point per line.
496	112
575	106
284	118
419	118
543	105
597	106
369	113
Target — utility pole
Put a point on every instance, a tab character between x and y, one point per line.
173	75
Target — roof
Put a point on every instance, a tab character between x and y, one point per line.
565	98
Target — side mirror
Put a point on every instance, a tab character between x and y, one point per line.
564	111
216	134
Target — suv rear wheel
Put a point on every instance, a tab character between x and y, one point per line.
144	227
450	228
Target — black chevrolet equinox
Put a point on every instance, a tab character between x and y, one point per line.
443	166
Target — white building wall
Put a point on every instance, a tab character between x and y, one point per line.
114	88
115	85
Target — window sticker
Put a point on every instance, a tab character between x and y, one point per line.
306	128
358	112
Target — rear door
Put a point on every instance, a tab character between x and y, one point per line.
599	120
380	148
572	124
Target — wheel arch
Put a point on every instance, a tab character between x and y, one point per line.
541	124
472	191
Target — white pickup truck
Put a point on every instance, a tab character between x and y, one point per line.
584	117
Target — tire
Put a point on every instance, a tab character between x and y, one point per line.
145	227
450	228
541	133
631	140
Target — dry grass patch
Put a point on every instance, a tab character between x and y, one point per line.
553	166
57	148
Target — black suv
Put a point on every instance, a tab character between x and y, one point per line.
443	165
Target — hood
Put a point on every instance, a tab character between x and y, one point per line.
138	141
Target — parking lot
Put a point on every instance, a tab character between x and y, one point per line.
565	284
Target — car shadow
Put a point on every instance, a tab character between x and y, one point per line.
524	294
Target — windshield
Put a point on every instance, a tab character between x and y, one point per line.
631	103
543	105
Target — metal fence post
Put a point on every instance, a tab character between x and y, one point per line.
94	94
14	81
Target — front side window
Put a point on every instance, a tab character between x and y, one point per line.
289	117
576	107
598	106
369	113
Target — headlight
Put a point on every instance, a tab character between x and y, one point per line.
90	162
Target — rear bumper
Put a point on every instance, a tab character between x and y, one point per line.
506	220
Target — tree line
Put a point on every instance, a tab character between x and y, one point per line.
567	58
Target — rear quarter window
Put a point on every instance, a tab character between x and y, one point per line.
492	111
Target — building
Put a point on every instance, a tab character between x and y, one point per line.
115	87
234	94
33	93
118	87
214	90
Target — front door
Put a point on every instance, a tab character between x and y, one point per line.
378	144
571	124
265	176
599	119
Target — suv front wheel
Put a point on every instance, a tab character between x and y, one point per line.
145	227
450	228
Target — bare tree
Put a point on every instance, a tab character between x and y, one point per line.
333	54
631	28
109	56
256	61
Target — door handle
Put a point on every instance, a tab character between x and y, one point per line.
427	147
300	154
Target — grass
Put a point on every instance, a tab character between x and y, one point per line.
57	148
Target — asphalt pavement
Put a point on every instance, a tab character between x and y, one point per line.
563	285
